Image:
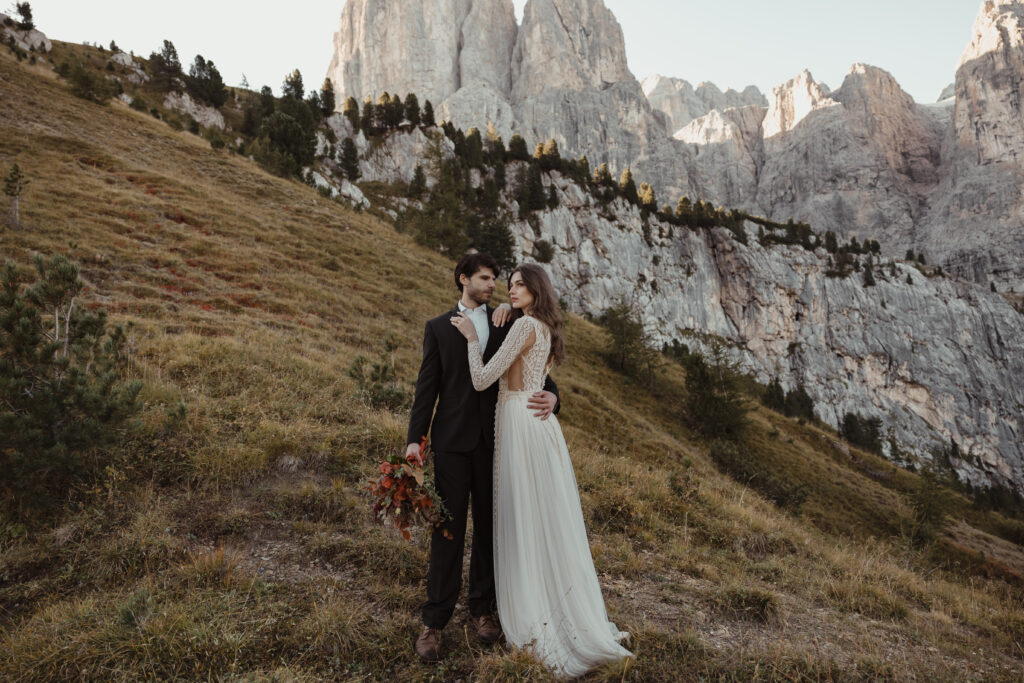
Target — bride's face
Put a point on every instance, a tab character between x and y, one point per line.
518	294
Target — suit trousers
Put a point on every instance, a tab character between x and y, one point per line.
462	478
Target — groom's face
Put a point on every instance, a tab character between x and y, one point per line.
479	286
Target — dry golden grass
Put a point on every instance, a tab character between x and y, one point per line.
233	541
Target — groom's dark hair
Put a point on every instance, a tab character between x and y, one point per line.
471	264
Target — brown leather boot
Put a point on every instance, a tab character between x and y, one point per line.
488	629
428	645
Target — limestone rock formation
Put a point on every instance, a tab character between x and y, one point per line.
727	153
936	360
32	40
981	193
469	58
398	47
590	104
863	160
567	44
858	161
682	103
207	116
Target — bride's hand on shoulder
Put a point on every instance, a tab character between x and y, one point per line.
502	314
464	325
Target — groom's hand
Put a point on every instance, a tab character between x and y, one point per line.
542	402
412	453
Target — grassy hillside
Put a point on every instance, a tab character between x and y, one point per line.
234	541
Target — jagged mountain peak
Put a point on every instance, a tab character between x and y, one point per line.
999	25
792	101
581	37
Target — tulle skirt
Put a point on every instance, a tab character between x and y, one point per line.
549	599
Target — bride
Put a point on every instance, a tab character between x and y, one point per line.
548	595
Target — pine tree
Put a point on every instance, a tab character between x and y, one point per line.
418	184
684	210
166	67
61	394
474	149
412	109
350	160
647	199
494	148
536	198
869	276
602	176
552	196
24	11
14	185
550	159
627	187
831	245
714	405
629	350
293	87
517	148
327	98
581	170
204	83
799	403
396	111
351	112
428	114
774	397
368	120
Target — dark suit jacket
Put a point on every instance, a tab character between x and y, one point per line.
463	414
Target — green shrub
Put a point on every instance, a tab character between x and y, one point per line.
629	350
744	468
865	432
61	394
378	380
89	85
543	251
713	404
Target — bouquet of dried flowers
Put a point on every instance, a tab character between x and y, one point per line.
405	494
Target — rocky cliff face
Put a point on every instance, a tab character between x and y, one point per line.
590	103
476	66
863	160
399	47
976	218
935	358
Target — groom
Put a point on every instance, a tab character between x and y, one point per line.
462	438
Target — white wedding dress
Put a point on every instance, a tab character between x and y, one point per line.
549	599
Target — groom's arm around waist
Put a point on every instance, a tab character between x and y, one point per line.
428	384
549	385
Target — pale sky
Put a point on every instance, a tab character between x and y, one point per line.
732	44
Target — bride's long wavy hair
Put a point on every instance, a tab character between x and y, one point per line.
545	305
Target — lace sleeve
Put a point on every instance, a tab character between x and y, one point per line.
520	336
